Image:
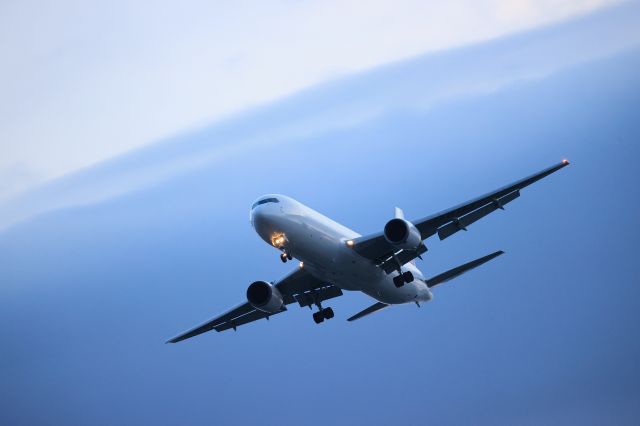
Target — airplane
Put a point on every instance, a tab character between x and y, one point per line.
333	258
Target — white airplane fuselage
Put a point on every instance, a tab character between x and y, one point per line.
320	244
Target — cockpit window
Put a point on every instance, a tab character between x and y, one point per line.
264	201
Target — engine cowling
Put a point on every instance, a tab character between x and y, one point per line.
264	297
402	234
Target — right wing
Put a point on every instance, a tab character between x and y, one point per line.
445	223
298	286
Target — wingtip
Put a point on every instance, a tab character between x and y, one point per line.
565	162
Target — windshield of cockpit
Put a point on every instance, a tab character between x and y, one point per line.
264	201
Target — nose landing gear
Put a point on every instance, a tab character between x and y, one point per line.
284	256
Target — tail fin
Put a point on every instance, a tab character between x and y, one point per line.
399	214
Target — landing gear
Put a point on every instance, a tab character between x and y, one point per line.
321	315
327	313
400	280
284	256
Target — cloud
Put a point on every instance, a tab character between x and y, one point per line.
84	81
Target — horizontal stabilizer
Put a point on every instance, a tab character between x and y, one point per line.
371	309
459	270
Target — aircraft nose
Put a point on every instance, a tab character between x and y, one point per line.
258	219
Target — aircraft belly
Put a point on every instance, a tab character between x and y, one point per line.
325	255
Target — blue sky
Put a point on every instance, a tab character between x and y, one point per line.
98	268
84	81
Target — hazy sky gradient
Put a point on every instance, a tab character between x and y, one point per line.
99	268
83	81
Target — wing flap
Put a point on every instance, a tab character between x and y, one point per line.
447	222
245	319
296	282
389	264
430	224
238	311
466	220
311	297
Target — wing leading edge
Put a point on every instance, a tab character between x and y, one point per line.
446	223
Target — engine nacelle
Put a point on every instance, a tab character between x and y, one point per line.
265	297
402	234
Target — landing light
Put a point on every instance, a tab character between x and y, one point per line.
301	265
278	240
565	161
350	243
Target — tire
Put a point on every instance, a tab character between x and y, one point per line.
398	281
327	313
318	317
407	277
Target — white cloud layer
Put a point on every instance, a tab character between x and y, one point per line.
83	81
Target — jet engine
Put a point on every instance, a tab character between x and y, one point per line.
265	297
402	234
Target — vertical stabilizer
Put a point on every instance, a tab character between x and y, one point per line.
399	214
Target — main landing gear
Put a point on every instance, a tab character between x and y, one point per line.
322	314
401	279
284	256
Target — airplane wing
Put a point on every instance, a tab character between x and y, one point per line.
445	223
298	286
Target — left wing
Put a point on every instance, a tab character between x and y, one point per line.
298	286
445	223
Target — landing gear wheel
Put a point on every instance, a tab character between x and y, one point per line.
289	257
318	317
283	257
327	313
407	277
398	281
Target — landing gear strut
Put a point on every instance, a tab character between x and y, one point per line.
401	279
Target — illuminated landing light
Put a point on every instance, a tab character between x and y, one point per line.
301	265
565	161
350	243
278	240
